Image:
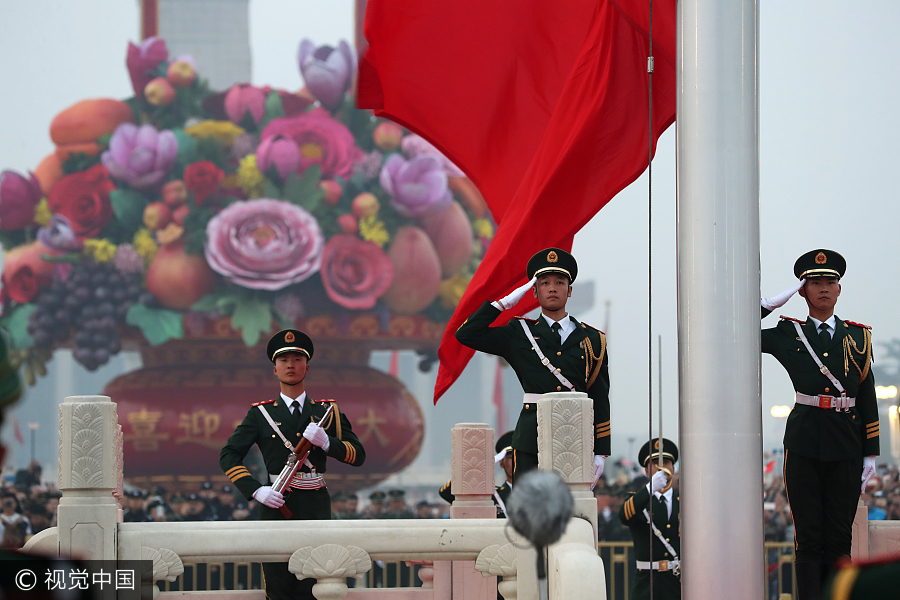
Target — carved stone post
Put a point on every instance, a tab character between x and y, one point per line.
566	445
88	476
472	476
330	565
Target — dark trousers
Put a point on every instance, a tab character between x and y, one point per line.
305	505
522	463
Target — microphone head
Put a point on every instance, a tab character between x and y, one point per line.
540	506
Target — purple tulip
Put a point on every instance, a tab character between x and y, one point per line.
143	61
58	235
140	156
418	187
328	72
18	198
244	98
280	151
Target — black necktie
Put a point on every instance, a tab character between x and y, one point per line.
295	406
556	337
823	334
662	500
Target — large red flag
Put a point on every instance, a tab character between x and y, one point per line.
543	105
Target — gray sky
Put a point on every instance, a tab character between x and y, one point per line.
827	136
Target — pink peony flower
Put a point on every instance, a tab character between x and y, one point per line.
328	72
322	140
264	244
280	152
19	196
415	145
140	156
244	99
143	61
418	187
355	273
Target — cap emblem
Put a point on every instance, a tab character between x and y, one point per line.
552	257
656	445
821	259
289	337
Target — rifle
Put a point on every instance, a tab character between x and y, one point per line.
295	461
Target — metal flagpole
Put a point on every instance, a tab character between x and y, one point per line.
718	300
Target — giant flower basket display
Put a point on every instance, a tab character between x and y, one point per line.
192	224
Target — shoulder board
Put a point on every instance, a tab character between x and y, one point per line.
791	319
526	319
328	401
264	402
858	324
585	326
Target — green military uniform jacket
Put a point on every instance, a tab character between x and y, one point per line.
501	490
666	585
819	433
582	359
255	429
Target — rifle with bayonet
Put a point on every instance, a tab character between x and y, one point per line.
294	461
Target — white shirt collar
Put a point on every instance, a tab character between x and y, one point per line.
566	326
301	399
830	322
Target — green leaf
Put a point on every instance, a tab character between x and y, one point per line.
270	190
157	324
16	323
304	191
274	109
187	148
253	317
128	206
220	301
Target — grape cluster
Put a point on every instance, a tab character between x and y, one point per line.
91	303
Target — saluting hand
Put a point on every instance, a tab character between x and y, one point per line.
512	299
782	298
317	436
269	497
659	481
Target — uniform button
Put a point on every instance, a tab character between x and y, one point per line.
668	527
298	434
559	353
558	388
276	404
827	389
273	435
667	539
824	354
527	406
582	357
666	553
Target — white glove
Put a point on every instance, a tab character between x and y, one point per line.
659	481
511	300
269	497
317	436
782	298
868	471
599	460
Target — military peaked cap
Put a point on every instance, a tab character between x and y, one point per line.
504	442
552	260
820	263
670	450
289	340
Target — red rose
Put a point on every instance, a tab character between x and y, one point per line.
355	273
25	272
202	178
83	198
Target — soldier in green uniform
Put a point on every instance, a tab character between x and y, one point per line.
664	562
273	426
504	458
550	354
869	580
831	437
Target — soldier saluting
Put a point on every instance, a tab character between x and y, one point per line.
832	434
276	426
550	354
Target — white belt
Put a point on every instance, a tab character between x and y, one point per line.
662	565
303	481
531	398
822	401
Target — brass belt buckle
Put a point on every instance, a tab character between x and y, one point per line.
825	401
663	565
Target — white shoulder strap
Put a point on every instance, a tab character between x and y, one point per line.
265	413
660	536
544	360
823	369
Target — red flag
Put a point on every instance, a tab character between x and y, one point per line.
17	431
498	399
544	109
769	467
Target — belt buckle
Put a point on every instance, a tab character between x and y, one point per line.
825	401
663	565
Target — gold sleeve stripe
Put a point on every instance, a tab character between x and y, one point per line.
629	508
871	435
604	427
235	470
351	452
603	423
238	473
602	435
236	477
871	425
445	486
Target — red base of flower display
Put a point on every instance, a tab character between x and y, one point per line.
178	410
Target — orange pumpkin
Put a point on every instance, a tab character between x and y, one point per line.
87	120
48	172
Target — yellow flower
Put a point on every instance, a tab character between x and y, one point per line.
483	228
171	233
373	231
224	131
251	179
145	245
452	289
42	213
102	250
